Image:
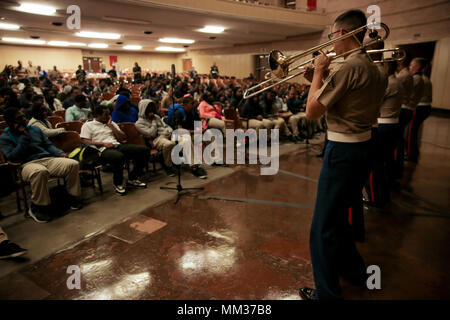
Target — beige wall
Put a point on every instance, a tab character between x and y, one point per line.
238	65
71	58
45	57
152	61
440	75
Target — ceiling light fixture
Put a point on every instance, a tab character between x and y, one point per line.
170	49
23	41
132	47
37	9
98	45
97	35
9	26
176	40
66	44
212	29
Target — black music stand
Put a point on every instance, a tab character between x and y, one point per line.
179	188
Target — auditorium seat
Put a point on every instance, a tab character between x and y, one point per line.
71	126
54	120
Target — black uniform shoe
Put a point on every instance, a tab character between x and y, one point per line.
307	293
169	171
37	214
199	172
10	250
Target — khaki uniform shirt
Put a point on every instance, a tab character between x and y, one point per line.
417	91
406	81
352	95
392	101
427	96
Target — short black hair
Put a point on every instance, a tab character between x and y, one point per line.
351	20
79	98
98	110
10	114
422	61
187	100
36	109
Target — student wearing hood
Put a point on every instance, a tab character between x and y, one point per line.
152	127
123	111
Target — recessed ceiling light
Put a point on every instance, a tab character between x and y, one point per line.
212	29
170	49
212	38
34	37
186	46
98	35
57	23
98	45
9	26
37	9
176	40
66	44
119	42
148	32
24	41
132	47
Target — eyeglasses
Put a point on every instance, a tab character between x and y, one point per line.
330	35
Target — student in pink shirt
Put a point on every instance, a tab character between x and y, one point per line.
211	112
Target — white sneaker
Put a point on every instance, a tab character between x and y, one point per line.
136	183
120	190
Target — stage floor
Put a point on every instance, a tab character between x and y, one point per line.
246	236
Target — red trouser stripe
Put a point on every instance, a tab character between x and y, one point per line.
395	154
372	197
350	216
409	132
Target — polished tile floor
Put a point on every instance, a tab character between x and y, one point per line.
246	237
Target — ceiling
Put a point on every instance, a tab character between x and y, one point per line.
131	19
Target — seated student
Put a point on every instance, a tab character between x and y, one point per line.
25	100
151	126
212	112
124	112
78	112
102	87
295	106
271	114
9	249
51	101
39	114
37	87
70	99
183	117
253	111
29	146
106	134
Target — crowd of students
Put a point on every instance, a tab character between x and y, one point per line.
156	103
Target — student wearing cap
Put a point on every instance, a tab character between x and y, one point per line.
350	97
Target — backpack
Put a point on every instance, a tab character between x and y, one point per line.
86	155
171	112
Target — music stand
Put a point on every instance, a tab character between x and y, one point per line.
179	188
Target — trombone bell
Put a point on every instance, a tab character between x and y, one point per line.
279	64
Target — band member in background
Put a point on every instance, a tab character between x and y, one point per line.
388	135
351	99
406	82
422	92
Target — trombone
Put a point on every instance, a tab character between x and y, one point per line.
398	54
280	64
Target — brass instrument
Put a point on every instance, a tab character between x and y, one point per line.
280	64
